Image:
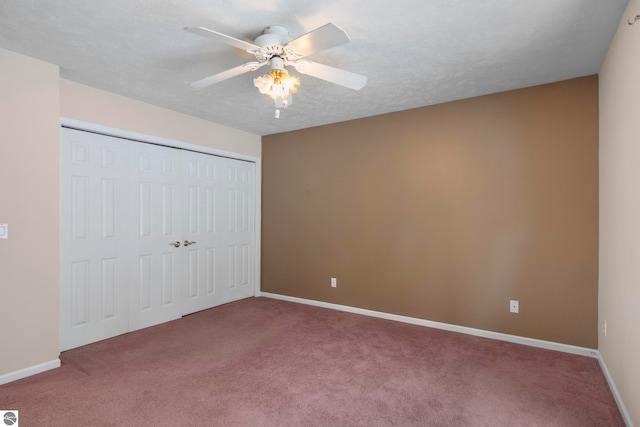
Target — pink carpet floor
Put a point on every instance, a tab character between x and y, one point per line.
263	362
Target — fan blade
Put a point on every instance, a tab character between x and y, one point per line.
330	74
322	38
233	72
223	38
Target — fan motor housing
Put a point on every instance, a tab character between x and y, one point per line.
273	37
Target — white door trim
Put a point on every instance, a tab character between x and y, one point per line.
144	138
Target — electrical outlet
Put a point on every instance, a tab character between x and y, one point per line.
604	328
514	306
334	282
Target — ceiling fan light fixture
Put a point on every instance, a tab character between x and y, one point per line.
277	84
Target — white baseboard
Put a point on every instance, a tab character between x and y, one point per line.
614	391
582	351
27	372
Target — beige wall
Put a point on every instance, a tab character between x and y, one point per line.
32	99
619	281
445	212
29	204
93	105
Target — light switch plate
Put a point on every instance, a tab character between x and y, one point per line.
4	231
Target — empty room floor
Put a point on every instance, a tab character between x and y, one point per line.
265	362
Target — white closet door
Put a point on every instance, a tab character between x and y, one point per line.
94	297
202	264
127	209
219	215
156	225
236	237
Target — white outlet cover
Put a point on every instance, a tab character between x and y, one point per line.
4	231
514	306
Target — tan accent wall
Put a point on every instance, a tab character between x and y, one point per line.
445	212
29	204
619	285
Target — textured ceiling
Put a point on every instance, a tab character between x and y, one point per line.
414	52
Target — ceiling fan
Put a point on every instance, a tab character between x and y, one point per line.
275	47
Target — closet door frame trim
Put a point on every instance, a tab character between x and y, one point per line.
150	139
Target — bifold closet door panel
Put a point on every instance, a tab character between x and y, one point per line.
237	234
155	218
94	243
219	219
202	192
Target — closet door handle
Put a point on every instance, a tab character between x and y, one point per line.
175	244
187	243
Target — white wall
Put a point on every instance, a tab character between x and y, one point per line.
29	204
32	99
82	102
619	269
